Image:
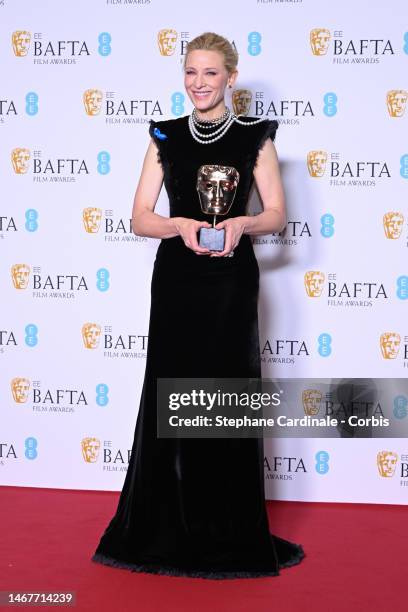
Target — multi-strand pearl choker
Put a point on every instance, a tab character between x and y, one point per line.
209	123
226	119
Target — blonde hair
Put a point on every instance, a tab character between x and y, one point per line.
209	41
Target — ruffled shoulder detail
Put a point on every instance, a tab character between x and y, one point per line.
159	136
267	129
258	132
157	131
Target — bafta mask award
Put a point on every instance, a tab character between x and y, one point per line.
216	187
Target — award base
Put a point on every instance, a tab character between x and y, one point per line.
212	238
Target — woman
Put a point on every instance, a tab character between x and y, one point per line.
196	507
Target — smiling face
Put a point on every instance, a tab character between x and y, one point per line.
205	80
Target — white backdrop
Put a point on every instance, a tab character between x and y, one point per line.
339	93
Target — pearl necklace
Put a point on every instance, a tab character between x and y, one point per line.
218	133
207	124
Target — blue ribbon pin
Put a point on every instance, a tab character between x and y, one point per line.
159	134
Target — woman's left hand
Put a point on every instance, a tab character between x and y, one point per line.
234	228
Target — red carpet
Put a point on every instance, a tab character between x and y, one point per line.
356	559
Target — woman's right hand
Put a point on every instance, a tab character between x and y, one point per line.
187	229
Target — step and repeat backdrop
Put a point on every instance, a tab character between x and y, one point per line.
79	83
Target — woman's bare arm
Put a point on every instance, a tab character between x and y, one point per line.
145	222
269	184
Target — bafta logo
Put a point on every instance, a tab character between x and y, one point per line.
316	163
92	219
20	158
167	40
311	400
386	463
314	280
90	449
91	333
319	41
20	273
20	388
241	101
393	222
390	343
396	102
92	101
21	42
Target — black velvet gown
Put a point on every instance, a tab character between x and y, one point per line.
196	507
